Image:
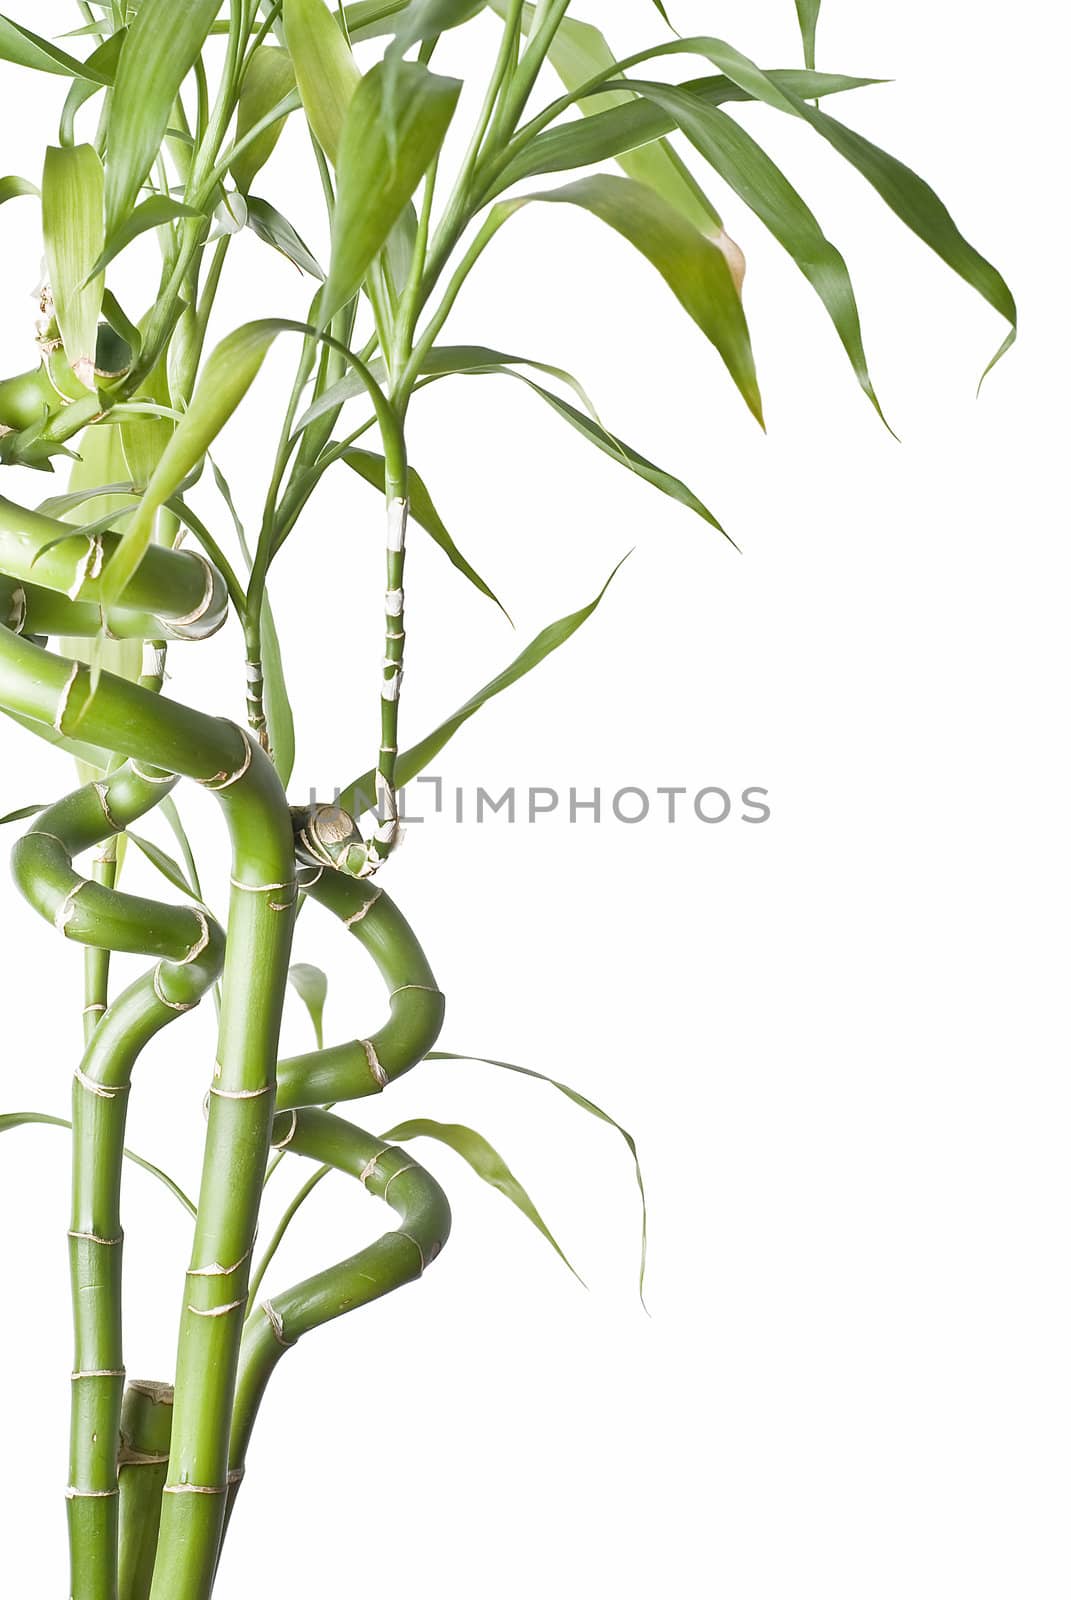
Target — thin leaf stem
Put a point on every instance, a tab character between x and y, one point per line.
272	1247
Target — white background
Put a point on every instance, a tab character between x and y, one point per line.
834	1035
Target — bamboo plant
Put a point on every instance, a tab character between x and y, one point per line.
168	119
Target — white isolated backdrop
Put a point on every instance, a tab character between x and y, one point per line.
835	1035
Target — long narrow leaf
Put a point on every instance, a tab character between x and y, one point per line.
609	444
326	72
373	469
578	53
585	1105
28	49
21	1119
691	263
807	11
487	1164
165	865
164	41
11	188
154	212
271	226
20	815
411	762
72	218
605	135
761	184
225	379
378	170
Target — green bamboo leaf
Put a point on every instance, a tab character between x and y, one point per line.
271	226
446	359
21	1119
585	1105
21	814
225	379
761	184
807	11
72	219
908	195
11	188
162	45
373	469
378	173
326	72
691	263
606	135
413	761
611	445
277	705
155	212
268	81
923	211
105	61
171	812
579	52
487	1164
370	19
58	505
166	865
311	984
28	49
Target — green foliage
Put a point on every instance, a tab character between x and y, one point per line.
167	127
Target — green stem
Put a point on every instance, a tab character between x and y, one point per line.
144	1447
277	1237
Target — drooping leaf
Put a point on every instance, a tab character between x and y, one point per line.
908	195
446	359
271	226
162	45
487	1164
373	469
166	865
72	219
413	761
268	80
21	1119
155	212
610	445
585	1105
370	19
311	984
326	72
761	184
11	188
377	174
691	263
923	211
28	49
807	11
